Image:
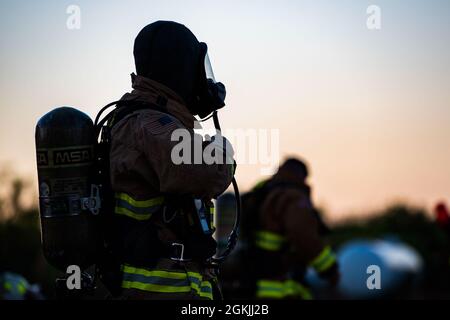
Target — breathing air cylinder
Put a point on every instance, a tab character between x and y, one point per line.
68	199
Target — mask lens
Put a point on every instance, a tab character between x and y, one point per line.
208	69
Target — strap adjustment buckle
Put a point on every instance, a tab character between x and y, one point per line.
178	252
93	202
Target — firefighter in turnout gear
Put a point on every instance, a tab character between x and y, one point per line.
161	231
285	235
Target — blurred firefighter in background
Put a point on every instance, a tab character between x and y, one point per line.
15	287
281	236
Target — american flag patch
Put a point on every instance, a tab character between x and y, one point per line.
157	124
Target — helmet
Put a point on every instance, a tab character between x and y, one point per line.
295	168
169	53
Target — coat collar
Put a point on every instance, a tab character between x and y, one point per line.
148	90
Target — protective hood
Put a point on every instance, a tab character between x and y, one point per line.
169	53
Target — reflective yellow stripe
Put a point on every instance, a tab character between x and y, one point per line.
22	288
330	261
211	217
128	213
260	184
7	286
155	273
295	288
324	260
195	275
166	281
265	293
137	209
270	236
268	285
154	287
267	246
269	241
199	288
140	203
270	289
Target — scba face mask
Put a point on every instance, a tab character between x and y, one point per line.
211	94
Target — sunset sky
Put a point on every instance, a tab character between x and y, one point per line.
368	109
